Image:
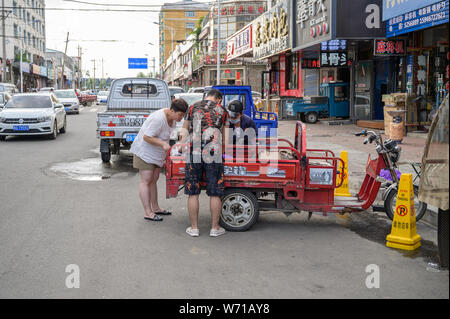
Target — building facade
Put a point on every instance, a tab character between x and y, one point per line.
24	31
56	78
176	21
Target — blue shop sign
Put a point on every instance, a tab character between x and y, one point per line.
394	8
422	18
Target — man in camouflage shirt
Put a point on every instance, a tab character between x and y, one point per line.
205	122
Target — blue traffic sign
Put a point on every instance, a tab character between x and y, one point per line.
137	63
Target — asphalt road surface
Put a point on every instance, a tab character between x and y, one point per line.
60	206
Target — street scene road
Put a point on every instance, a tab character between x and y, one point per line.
209	150
60	205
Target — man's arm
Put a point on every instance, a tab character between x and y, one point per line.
157	142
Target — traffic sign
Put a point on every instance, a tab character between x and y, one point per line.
137	63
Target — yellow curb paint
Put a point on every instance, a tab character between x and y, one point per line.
404	230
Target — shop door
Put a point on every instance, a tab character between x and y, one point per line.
381	87
363	90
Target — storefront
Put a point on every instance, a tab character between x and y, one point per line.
426	65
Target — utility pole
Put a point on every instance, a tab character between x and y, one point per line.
95	83
103	71
3	17
218	42
63	63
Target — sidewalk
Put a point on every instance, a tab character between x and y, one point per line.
338	138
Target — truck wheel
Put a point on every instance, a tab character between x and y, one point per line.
311	117
106	157
240	210
443	225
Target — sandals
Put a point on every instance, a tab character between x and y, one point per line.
164	213
154	219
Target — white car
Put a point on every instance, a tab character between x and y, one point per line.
32	114
102	97
69	99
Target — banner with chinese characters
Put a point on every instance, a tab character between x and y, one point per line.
240	8
313	22
333	59
272	31
429	16
240	43
394	8
385	47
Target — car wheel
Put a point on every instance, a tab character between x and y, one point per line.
54	134
64	128
2	138
312	117
240	210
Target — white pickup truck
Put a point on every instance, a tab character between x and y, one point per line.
130	102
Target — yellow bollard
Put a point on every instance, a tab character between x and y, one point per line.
404	230
344	189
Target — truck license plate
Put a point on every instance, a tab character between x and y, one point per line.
130	137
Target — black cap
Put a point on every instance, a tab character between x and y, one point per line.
235	107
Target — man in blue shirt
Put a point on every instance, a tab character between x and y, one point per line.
240	123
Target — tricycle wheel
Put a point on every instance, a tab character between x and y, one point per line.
312	117
240	210
391	201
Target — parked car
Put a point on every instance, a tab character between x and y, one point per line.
102	97
47	89
130	102
191	99
4	97
9	88
196	90
69	99
32	114
175	90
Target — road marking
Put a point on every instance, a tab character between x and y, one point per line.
93	110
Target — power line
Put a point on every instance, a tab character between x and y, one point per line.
138	5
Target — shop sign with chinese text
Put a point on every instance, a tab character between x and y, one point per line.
313	22
333	59
272	31
385	47
426	17
240	43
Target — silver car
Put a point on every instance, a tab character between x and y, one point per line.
32	114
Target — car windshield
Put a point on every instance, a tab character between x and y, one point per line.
29	102
190	98
103	93
176	90
65	94
2	98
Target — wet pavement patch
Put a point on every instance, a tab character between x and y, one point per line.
376	227
93	169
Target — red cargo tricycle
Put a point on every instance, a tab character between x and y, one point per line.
299	180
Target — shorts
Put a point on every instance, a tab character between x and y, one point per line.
142	165
214	179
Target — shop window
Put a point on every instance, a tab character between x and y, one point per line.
292	72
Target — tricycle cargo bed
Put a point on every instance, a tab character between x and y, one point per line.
138	94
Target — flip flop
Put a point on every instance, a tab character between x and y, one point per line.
154	219
164	213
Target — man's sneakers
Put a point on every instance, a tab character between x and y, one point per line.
213	233
216	232
193	232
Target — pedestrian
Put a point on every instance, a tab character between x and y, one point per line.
206	122
241	123
149	153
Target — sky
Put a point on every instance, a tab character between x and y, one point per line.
132	31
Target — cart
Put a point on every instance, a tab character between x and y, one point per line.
303	181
